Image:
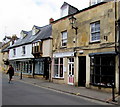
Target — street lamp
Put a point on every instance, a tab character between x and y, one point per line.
72	20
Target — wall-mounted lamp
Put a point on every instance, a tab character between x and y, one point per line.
72	20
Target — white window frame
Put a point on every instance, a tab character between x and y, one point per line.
64	37
95	31
58	72
93	2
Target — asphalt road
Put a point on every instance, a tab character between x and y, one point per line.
20	93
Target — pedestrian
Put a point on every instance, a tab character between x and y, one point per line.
10	72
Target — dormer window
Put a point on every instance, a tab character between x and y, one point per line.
93	2
67	9
64	11
35	30
23	34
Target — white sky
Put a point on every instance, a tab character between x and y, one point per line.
17	15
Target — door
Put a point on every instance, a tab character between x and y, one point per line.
82	71
71	71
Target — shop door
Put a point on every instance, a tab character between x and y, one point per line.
71	71
82	71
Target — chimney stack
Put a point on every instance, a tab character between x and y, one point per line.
51	20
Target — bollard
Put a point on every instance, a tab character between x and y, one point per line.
21	75
113	91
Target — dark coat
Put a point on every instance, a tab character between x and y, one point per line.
11	71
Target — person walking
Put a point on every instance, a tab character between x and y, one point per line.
10	72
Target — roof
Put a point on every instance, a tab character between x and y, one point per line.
8	37
5	49
44	33
65	3
85	9
25	32
37	27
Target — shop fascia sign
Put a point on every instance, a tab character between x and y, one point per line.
63	54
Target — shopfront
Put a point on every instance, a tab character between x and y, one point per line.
63	68
41	66
23	65
102	69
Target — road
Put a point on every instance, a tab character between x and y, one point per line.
20	93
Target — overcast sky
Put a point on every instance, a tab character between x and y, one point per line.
17	15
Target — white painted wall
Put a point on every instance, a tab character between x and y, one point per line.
19	53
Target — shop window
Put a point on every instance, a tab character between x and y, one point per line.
102	70
39	67
58	67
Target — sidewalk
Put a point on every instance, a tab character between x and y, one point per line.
80	91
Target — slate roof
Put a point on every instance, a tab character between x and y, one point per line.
8	37
25	32
6	49
44	33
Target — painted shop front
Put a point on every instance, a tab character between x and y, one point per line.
63	68
42	67
23	65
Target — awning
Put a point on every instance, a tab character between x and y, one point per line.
103	53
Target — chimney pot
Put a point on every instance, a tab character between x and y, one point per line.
51	20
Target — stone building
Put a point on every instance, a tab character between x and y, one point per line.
85	54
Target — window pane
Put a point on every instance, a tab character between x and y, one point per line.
61	61
61	70
97	26
56	60
55	70
64	38
98	36
72	69
92	27
103	71
95	31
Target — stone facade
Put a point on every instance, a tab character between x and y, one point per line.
82	45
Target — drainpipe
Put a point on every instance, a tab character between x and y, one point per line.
117	38
119	51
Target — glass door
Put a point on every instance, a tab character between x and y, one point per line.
71	71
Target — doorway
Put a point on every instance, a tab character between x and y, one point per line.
82	71
71	71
